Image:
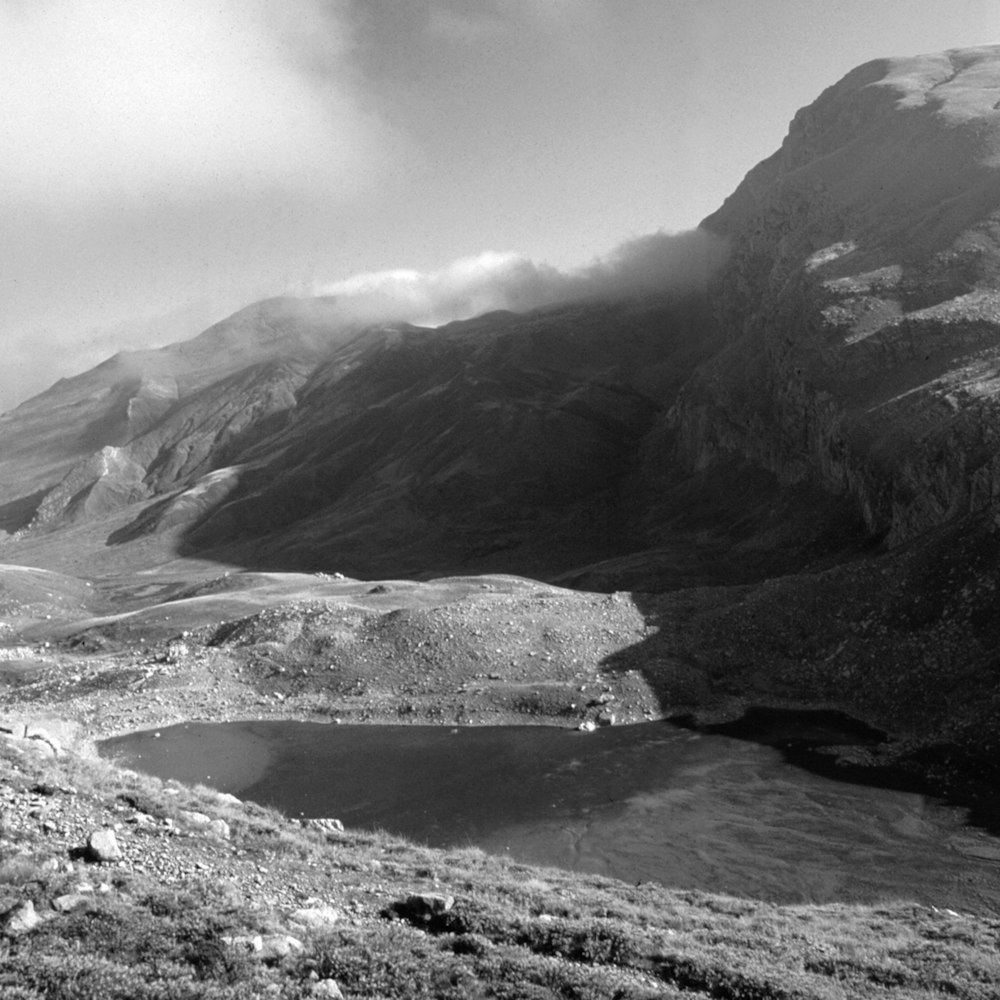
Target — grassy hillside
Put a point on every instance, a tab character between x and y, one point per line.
259	905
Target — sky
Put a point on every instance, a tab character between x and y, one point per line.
165	162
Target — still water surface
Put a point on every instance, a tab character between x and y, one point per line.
649	802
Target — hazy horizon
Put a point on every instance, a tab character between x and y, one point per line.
168	162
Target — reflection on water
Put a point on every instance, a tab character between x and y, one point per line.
641	803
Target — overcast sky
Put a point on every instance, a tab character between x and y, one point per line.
164	162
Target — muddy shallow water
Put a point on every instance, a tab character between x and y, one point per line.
651	802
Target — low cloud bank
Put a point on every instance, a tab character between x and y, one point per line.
126	104
668	264
660	263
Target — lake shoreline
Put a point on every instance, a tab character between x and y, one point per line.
657	802
109	695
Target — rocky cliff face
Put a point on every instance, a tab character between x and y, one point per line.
861	304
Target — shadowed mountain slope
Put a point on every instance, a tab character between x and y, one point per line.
835	385
508	439
861	303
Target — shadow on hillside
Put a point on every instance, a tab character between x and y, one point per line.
17	514
478	449
714	652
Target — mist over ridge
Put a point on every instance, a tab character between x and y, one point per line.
656	264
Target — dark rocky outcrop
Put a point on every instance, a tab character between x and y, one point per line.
861	303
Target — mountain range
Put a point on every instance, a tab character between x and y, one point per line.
806	450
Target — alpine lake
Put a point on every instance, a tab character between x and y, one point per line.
757	809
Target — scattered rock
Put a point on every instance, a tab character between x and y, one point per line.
219	828
326	823
327	988
606	718
252	943
423	907
275	946
70	901
315	918
265	947
587	726
176	651
205	824
19	918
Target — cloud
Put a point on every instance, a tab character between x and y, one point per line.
160	153
456	20
656	264
141	99
168	161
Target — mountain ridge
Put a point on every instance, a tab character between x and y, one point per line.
819	417
864	292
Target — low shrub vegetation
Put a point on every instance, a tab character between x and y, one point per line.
204	927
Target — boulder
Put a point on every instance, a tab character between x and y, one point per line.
19	918
194	820
177	650
265	947
252	943
325	823
315	918
203	823
219	829
70	901
423	907
102	847
328	988
277	946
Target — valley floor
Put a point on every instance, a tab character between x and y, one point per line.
259	905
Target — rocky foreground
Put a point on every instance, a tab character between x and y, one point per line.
114	885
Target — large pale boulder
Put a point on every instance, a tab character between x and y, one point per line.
19	919
102	847
315	918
